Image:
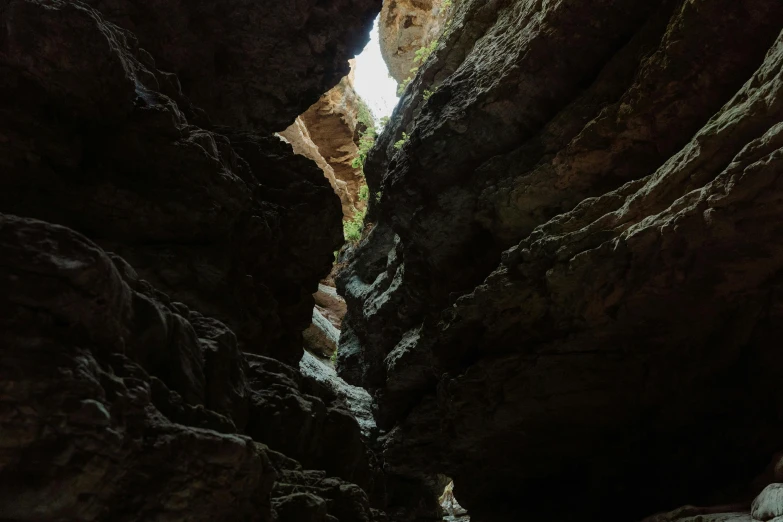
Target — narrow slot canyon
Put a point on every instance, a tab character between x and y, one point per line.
391	261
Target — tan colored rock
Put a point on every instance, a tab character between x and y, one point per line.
301	141
326	133
405	26
321	336
332	306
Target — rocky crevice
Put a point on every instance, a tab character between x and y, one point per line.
328	133
159	249
571	287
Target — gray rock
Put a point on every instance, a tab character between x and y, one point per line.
573	281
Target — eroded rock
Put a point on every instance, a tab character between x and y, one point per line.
229	58
573	282
141	255
232	224
405	27
769	504
81	413
328	133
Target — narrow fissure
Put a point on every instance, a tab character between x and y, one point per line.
391	261
338	133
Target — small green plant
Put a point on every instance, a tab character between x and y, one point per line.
333	358
446	4
384	121
365	115
366	141
419	56
422	53
336	255
427	94
378	196
401	87
352	229
398	145
366	137
364	193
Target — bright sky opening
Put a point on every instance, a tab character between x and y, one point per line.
372	80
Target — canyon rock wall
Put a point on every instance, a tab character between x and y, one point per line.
570	301
406	26
229	58
159	249
328	133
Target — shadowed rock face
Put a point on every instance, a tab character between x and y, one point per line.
572	289
570	300
155	277
225	221
229	58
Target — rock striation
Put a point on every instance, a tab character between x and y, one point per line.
159	249
572	288
328	133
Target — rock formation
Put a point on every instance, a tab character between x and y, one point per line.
570	302
229	58
323	334
159	248
406	26
328	133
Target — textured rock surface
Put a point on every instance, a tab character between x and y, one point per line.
321	337
406	26
327	133
141	256
115	403
574	279
333	307
769	503
231	224
229	58
82	419
323	334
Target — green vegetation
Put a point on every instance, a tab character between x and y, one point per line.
446	4
384	121
428	93
365	116
352	229
366	141
364	193
333	358
366	137
422	53
401	87
398	145
378	196
420	56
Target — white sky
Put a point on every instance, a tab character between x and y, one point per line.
371	78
